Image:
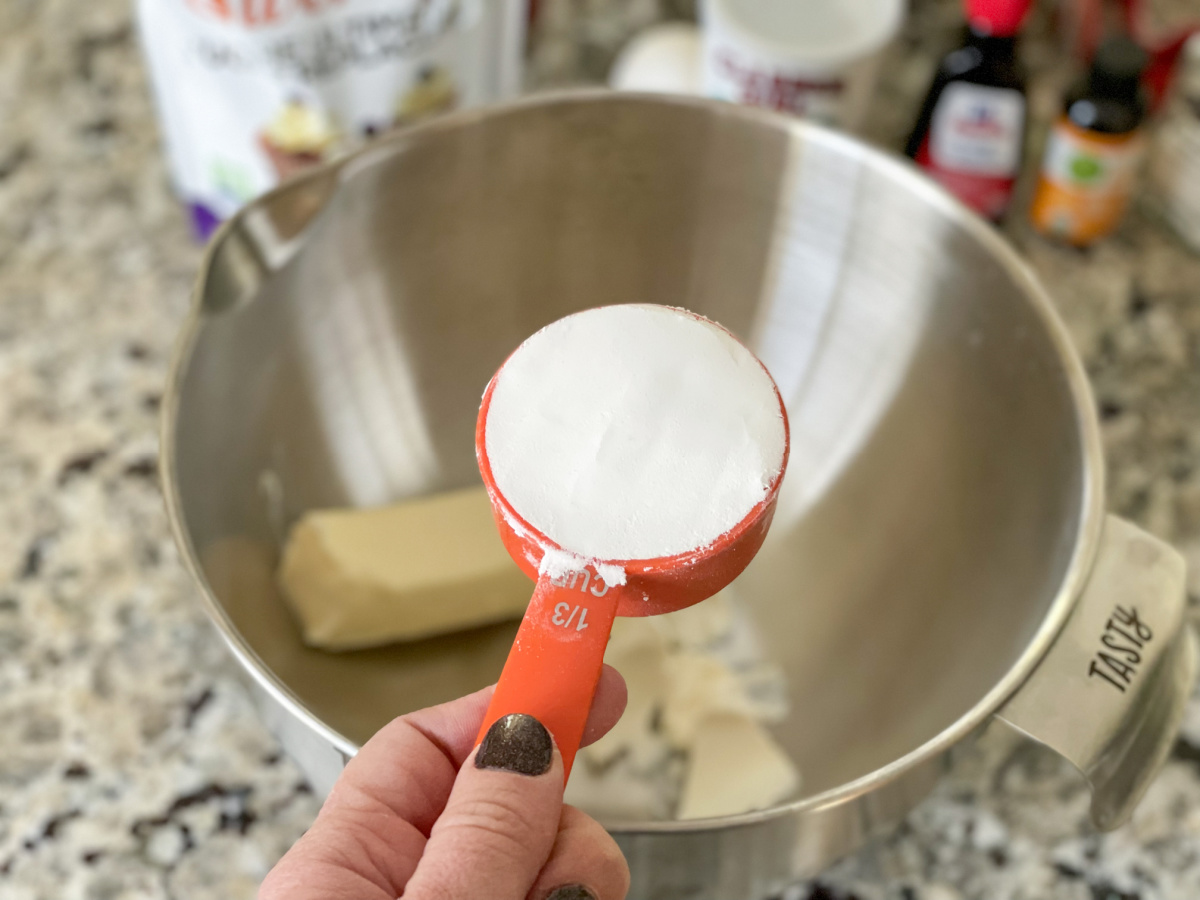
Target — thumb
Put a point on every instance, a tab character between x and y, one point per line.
501	820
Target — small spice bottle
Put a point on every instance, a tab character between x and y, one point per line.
1094	150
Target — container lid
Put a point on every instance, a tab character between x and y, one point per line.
812	36
1117	68
997	18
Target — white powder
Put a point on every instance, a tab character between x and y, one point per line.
560	563
633	432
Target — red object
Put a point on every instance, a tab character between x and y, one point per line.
555	661
1164	50
998	18
1161	71
987	195
970	132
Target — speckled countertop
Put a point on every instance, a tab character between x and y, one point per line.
131	763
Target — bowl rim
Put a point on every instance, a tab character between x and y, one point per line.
1091	513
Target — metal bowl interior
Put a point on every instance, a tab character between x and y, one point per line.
941	500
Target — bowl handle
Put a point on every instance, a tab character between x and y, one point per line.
1109	695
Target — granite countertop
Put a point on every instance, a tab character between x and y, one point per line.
131	762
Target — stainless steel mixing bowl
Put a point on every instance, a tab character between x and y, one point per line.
940	557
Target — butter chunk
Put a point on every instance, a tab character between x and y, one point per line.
641	665
735	767
698	686
361	577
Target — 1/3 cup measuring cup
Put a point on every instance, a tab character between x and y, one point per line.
556	658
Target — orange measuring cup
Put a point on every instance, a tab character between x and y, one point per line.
556	659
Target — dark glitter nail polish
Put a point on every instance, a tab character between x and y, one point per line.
517	743
571	892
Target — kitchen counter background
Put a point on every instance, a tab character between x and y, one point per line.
131	763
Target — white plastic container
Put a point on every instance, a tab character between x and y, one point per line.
813	58
250	92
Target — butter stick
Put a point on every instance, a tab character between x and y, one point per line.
735	767
362	577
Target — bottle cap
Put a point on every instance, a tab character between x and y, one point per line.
997	18
1118	66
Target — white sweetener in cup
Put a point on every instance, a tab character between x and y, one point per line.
634	432
813	58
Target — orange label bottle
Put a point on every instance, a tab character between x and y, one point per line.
1086	182
1095	148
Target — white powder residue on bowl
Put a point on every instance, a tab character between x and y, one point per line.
633	432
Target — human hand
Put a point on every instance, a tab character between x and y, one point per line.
420	812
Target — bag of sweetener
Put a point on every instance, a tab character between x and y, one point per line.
250	92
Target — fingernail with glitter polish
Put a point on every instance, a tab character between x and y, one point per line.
517	743
571	892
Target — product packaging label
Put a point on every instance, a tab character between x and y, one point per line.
739	78
1086	182
250	92
974	144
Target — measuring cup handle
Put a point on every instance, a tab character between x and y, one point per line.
555	661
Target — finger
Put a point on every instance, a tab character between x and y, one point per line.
501	820
372	829
410	765
607	705
585	863
373	826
